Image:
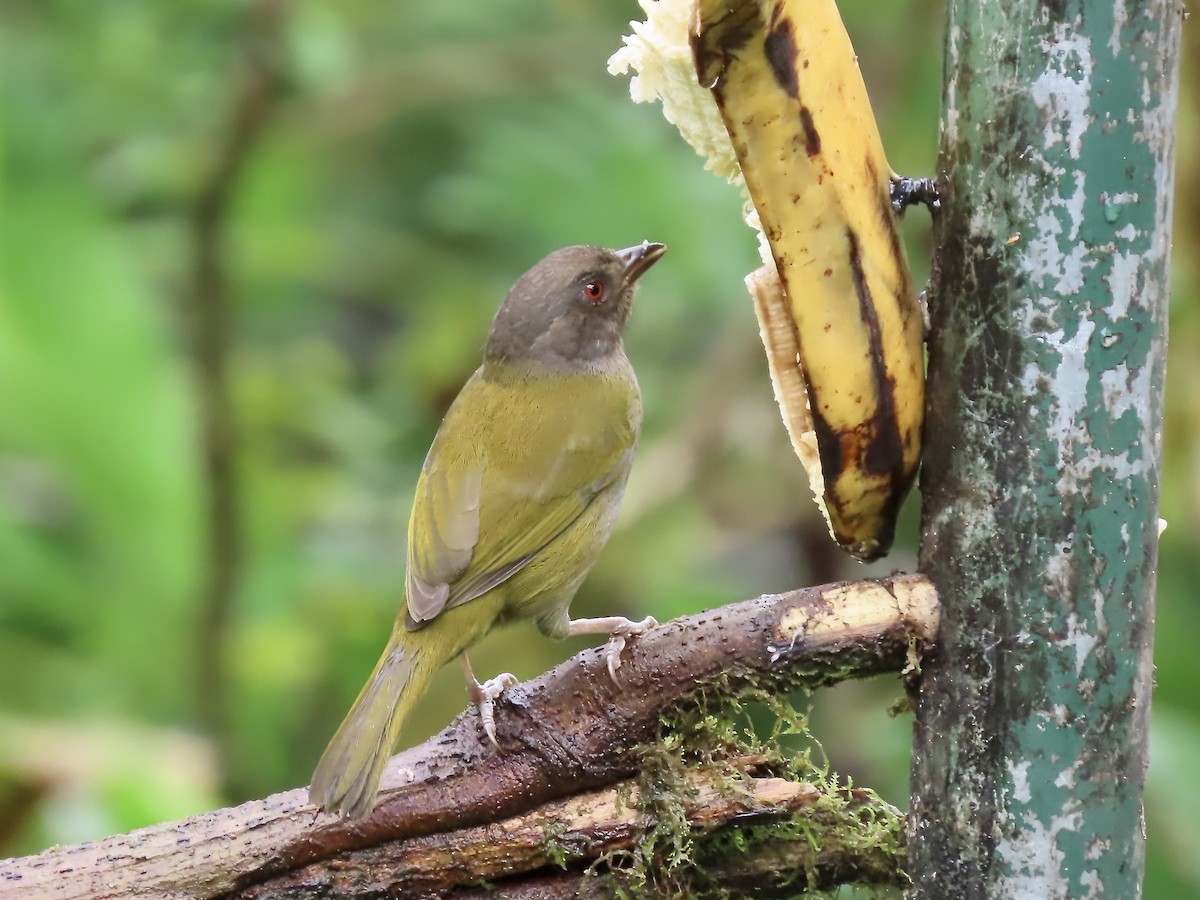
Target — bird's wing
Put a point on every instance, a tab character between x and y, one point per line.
501	482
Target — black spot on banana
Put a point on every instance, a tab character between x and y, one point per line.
839	315
780	47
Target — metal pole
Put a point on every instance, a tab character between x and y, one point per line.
1043	446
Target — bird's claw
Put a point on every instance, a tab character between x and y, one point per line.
485	695
616	643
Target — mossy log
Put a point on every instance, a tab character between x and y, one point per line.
565	734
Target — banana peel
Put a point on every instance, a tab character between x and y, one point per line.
837	308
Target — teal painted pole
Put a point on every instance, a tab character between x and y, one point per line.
1041	471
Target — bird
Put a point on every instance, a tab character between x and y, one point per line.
516	499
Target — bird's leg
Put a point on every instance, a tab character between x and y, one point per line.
619	629
484	695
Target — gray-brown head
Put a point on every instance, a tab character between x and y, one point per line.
571	307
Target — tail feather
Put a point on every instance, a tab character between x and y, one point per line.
347	777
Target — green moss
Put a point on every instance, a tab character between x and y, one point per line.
714	737
557	851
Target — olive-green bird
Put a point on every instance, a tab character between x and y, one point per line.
517	497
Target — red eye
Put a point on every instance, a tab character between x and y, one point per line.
594	291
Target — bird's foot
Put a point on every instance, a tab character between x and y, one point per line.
485	695
619	630
616	642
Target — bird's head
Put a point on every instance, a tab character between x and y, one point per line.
571	308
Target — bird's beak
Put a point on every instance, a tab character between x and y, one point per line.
638	259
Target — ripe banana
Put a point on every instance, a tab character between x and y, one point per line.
837	309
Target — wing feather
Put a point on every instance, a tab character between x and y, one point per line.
499	484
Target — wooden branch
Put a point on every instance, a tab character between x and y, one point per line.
581	830
566	732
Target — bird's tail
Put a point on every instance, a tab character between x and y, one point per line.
347	777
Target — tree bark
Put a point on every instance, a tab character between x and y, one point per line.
563	734
584	828
1042	459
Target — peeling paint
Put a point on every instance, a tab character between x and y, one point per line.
950	116
1079	639
1122	278
1019	775
1034	852
1062	92
1120	23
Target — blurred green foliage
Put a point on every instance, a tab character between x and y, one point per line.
420	157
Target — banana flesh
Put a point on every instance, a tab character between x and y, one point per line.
840	316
